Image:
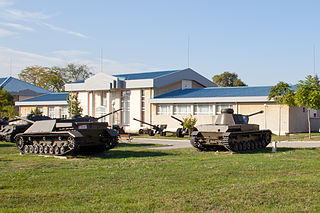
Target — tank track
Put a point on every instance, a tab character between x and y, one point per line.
48	145
235	141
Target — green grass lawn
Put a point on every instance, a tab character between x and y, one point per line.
132	178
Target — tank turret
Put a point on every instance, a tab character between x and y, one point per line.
232	132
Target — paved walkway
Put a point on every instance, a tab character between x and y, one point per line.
174	144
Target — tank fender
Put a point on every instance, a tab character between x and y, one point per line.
75	134
112	133
194	133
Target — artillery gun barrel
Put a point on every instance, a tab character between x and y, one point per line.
108	114
181	122
255	113
154	126
24	119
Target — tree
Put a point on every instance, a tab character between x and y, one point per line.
74	72
54	78
74	105
35	75
6	104
228	79
282	94
308	95
189	123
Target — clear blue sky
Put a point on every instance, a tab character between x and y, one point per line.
263	41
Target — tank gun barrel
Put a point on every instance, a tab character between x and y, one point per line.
108	114
24	119
255	113
181	122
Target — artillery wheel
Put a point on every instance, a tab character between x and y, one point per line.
151	132
179	133
140	131
163	133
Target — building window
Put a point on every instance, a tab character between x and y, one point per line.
51	112
219	107
101	111
64	112
181	109
143	105
163	109
203	109
125	105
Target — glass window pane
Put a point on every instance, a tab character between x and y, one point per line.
181	109
219	107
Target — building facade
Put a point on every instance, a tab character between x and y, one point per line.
103	93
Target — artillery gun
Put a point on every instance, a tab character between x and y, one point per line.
156	129
181	131
66	136
231	132
10	128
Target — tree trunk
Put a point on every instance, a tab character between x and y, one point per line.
309	123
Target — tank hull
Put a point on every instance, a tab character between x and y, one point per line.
96	137
234	141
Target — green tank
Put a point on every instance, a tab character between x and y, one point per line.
66	136
230	132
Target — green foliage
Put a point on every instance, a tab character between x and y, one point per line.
54	78
189	122
36	111
228	79
308	93
74	105
282	94
6	104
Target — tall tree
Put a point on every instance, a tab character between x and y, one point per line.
282	94
74	107
76	72
228	79
35	75
308	95
54	78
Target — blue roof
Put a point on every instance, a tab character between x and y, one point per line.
213	92
18	87
144	75
49	97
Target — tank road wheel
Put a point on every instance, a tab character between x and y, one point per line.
35	149
234	147
63	149
72	143
19	142
30	148
46	150
26	149
56	150
41	149
194	140
51	150
240	147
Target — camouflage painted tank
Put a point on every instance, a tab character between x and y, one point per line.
230	132
66	136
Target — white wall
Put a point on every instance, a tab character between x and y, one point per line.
135	109
83	99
